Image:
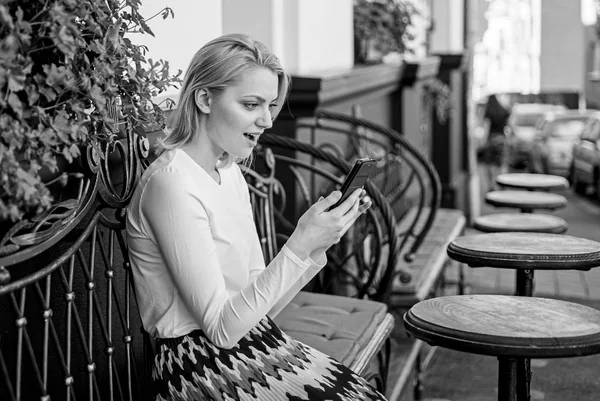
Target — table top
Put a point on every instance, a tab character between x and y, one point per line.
504	325
532	181
525	199
526	222
523	250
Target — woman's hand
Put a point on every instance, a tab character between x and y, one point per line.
318	229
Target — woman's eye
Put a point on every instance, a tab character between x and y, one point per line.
272	106
251	106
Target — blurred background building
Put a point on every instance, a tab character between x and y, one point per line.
532	47
533	50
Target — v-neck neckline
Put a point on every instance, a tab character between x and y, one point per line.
218	183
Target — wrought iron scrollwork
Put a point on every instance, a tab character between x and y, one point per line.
114	147
355	267
407	180
66	320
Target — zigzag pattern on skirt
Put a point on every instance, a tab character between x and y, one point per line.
265	365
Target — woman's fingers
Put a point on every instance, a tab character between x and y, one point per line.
351	214
324	203
349	202
365	204
358	209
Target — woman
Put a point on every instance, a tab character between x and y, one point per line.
495	119
204	290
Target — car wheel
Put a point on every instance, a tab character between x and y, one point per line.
578	186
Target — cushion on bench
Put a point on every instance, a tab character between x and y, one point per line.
349	330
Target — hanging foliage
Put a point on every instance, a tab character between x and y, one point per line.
383	25
62	65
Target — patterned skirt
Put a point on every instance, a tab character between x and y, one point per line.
265	365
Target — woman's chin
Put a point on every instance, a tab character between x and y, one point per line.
243	153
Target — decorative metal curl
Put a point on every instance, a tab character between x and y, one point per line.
113	147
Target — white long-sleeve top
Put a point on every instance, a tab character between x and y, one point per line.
196	257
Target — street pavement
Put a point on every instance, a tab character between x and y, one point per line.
582	215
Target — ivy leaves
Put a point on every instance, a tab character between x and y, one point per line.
61	63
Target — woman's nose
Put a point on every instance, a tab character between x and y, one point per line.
265	121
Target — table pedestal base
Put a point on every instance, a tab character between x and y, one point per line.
507	379
524	287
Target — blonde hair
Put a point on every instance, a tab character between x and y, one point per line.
219	64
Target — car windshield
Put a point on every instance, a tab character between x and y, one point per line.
567	129
527	119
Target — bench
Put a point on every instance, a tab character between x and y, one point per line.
68	317
69	325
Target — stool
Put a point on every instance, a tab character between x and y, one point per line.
508	327
545	182
524	222
526	201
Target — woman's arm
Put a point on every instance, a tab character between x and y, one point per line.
317	259
179	224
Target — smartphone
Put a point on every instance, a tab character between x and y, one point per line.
356	178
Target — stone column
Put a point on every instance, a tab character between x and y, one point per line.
449	150
414	117
450	144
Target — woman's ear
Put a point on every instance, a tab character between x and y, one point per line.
203	100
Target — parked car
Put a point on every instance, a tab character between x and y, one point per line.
555	135
585	166
520	130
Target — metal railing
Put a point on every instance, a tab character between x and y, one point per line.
69	326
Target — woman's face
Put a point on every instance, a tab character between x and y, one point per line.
241	112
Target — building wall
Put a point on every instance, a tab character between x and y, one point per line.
562	61
177	39
325	32
448	29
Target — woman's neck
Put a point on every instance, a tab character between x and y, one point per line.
204	158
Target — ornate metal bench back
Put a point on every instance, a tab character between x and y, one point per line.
405	176
363	263
69	326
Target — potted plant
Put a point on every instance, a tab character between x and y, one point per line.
64	65
381	27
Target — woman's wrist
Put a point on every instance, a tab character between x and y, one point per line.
297	249
318	256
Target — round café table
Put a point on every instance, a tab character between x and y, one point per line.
525	252
526	201
523	222
508	327
528	181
